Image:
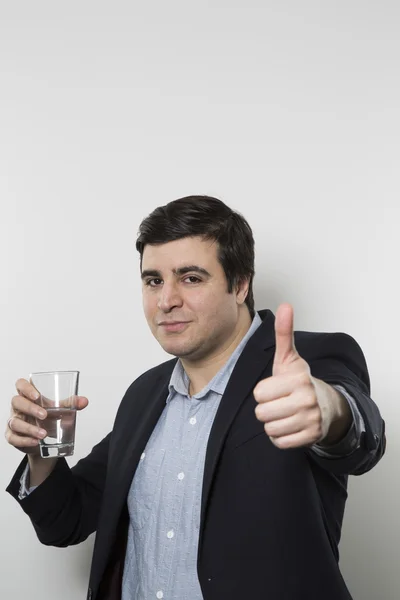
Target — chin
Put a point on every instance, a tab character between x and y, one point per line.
177	350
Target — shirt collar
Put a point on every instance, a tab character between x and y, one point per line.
179	381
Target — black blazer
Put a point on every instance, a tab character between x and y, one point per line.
270	519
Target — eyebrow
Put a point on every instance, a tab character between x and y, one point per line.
181	271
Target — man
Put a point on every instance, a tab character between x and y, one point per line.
225	472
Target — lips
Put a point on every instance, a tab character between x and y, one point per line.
173	325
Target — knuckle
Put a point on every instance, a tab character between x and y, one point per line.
309	401
259	412
257	393
22	406
20	383
303	379
10	437
15	400
272	434
19	403
281	443
11	423
272	429
314	417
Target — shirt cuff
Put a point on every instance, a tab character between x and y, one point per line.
351	441
24	489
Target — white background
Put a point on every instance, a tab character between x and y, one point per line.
288	111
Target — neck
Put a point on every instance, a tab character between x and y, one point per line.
201	372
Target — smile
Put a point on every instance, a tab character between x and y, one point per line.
174	326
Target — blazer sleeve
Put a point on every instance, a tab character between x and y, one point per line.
65	508
338	359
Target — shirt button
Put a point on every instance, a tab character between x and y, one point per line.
170	534
181	476
143	455
160	594
193	421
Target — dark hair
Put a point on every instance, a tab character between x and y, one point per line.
210	219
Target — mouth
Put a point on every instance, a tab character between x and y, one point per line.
173	325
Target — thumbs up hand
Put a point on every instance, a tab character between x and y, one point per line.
296	408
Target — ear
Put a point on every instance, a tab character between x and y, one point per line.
242	289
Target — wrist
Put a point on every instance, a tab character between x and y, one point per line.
337	412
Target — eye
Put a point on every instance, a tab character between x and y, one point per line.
192	279
153	282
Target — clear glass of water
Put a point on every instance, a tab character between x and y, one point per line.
58	391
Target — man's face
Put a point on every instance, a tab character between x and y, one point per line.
186	300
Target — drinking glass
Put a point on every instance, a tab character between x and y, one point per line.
58	391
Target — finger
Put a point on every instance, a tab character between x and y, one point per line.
24	388
279	386
19	441
284	427
276	409
295	440
284	337
27	407
81	402
76	402
23	428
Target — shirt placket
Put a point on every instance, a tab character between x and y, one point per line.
178	471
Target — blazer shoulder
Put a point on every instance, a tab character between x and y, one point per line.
336	342
319	340
150	382
337	347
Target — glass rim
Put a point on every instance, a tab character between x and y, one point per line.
51	372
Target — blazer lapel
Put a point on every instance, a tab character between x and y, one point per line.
256	355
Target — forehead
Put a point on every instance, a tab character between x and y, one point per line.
188	250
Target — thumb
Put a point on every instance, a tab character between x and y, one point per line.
285	350
81	402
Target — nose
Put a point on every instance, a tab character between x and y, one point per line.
169	297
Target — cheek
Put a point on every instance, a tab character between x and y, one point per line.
204	305
149	305
213	307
